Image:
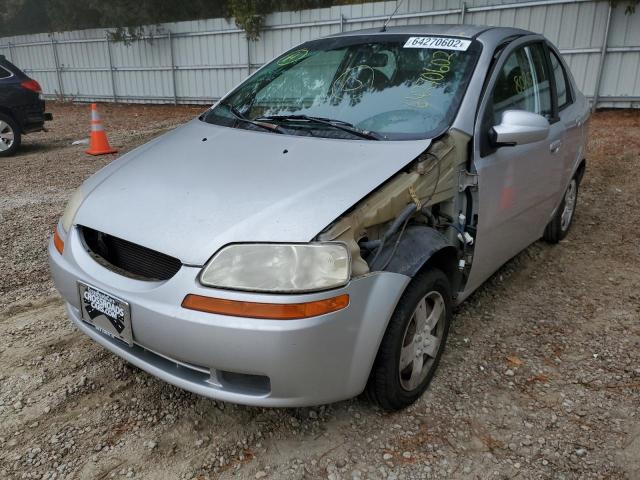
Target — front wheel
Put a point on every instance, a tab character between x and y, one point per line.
9	136
558	227
413	343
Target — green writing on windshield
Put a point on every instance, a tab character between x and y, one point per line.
431	78
293	57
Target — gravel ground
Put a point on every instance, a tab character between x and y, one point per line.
541	378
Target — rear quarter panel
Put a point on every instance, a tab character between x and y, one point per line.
18	102
21	104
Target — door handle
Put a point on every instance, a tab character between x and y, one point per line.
554	147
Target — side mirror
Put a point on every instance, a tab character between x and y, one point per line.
519	127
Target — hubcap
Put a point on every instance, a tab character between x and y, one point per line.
569	205
421	340
6	136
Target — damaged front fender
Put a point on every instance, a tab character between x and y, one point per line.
417	245
431	180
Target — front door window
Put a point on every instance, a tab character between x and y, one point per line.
523	83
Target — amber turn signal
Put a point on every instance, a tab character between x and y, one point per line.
269	311
57	241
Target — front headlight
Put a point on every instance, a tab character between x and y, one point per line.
279	268
72	207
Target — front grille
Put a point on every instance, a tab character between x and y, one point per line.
128	258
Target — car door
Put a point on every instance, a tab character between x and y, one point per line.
517	185
571	116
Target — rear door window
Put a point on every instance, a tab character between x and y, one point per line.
523	83
4	73
562	85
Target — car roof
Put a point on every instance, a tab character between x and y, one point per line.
455	30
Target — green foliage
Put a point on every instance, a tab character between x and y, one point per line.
250	14
130	19
631	7
128	35
23	16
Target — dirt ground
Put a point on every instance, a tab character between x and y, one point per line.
540	379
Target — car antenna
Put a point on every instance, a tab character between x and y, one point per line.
384	27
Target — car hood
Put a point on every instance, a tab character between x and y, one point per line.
202	186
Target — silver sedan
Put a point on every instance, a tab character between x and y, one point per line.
306	238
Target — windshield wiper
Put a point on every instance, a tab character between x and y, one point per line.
241	118
337	124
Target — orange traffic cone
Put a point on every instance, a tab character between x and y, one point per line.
98	143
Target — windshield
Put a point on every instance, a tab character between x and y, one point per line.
393	87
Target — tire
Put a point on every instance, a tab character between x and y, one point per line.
559	226
10	137
391	386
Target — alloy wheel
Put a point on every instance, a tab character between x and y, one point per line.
569	205
421	340
6	136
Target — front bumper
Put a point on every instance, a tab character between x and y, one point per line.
242	360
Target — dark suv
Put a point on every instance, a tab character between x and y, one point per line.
21	107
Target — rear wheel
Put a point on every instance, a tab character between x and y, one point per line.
413	343
9	136
558	227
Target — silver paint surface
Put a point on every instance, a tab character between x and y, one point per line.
187	198
310	361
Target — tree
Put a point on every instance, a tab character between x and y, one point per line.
249	14
130	20
23	16
630	5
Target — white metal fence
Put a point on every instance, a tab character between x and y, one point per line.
198	61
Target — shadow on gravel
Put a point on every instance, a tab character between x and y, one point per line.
39	147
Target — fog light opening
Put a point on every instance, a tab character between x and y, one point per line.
244	383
